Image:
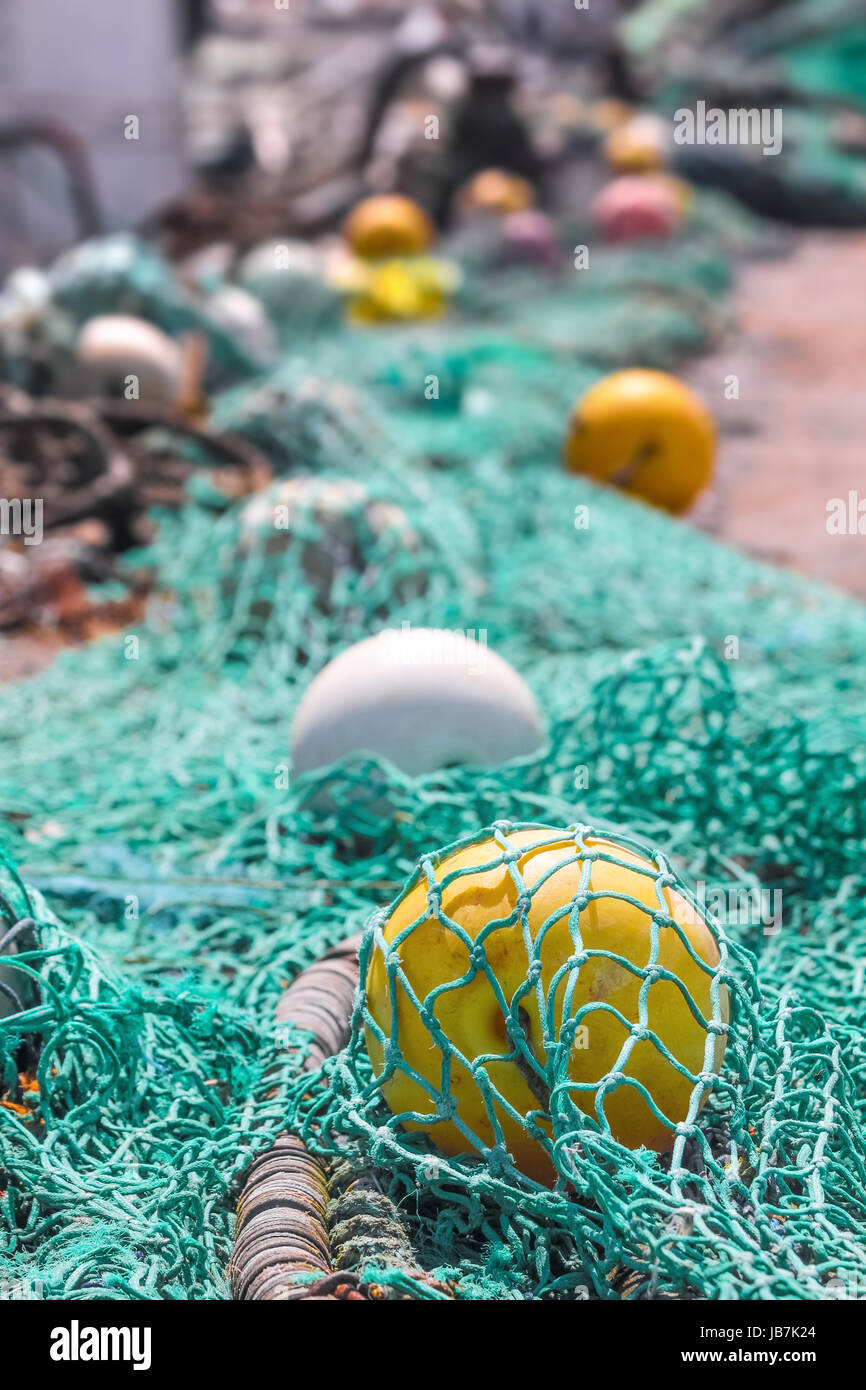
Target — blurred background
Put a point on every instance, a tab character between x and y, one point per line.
210	128
314	101
318	99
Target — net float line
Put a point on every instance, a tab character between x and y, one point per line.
281	1233
320	1000
298	1217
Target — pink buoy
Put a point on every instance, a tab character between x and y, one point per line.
529	239
632	208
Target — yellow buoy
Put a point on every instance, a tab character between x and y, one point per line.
388	225
488	955
647	433
638	146
498	192
609	113
418	287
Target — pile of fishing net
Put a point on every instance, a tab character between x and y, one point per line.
806	62
165	877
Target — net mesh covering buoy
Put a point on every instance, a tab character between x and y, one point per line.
537	975
327	536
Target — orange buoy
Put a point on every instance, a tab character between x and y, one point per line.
638	146
498	192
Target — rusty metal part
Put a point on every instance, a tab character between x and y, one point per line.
230	449
93	480
62	453
46	592
72	152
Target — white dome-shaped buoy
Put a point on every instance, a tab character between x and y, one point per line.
422	699
278	260
241	315
291	279
24	298
112	348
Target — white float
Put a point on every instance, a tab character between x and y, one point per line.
293	279
271	263
112	348
238	313
421	698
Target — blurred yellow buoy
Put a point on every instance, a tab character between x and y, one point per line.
416	288
388	225
496	191
638	146
647	433
609	113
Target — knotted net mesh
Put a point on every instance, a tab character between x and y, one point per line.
164	876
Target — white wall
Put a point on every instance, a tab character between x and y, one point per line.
91	63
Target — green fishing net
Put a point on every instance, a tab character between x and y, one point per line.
806	61
164	876
528	1084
